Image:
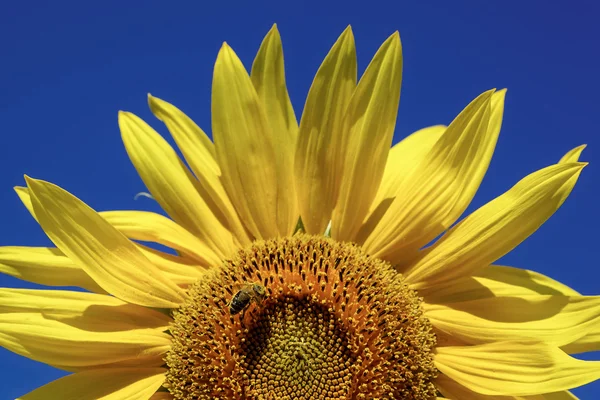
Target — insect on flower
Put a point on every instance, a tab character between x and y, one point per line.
250	292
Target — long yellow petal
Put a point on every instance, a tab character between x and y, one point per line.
45	266
59	343
171	184
152	227
557	320
103	384
495	281
369	124
255	163
318	170
496	228
148	226
455	391
87	311
268	78
199	152
104	253
58	270
515	368
439	188
401	158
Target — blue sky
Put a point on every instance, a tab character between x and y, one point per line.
68	68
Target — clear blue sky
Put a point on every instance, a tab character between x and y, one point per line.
67	69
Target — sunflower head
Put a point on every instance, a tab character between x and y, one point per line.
336	323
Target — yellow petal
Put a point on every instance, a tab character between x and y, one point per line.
171	184
515	368
181	271
58	343
195	145
268	78
45	266
496	228
557	320
23	194
87	311
152	227
588	342
104	253
403	155
255	163
454	391
439	188
137	225
401	158
318	170
369	124
573	155
495	281
199	152
103	384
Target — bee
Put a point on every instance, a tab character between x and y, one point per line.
250	292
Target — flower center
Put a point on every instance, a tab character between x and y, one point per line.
304	317
297	350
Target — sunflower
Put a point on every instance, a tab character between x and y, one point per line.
309	261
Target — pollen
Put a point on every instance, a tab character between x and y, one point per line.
334	323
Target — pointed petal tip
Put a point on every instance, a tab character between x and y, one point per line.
33	183
122	117
573	154
29	180
154	103
487	95
347	34
348	31
126	116
578	166
273	34
151	102
395	38
127	122
226	53
500	93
